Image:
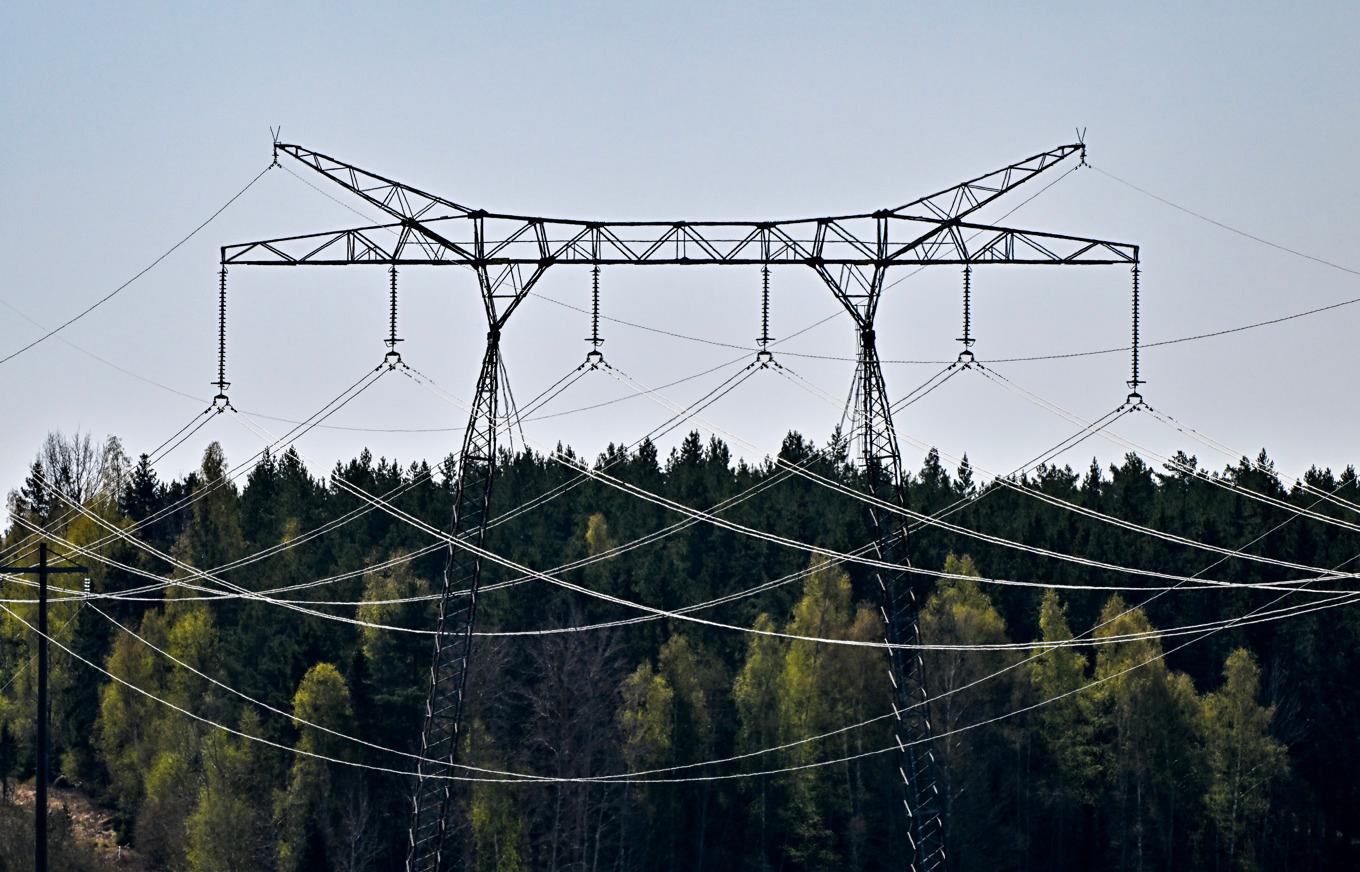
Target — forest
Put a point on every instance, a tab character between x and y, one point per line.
1212	725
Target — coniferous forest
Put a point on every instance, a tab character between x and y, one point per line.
1166	739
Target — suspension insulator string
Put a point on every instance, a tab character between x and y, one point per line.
393	357
966	355
220	402
595	357
764	356
1135	398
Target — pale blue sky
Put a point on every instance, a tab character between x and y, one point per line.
127	124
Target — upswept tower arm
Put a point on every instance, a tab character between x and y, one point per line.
404	201
397	199
510	252
967	197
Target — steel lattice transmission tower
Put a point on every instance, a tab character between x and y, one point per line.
509	253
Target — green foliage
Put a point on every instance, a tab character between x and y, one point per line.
757	686
230	829
971	762
322	699
170	795
1172	759
695	682
310	808
1245	763
819	690
1068	732
390	653
126	737
499	831
646	718
597	534
214	535
756	692
1153	762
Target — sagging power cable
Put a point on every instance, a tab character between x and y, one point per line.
143	271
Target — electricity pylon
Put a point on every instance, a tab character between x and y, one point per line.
509	253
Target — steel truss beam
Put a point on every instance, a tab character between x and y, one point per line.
510	253
880	240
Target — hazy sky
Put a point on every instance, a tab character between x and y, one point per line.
128	124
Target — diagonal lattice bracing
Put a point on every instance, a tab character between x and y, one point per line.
395	198
969	196
900	598
867	242
440	737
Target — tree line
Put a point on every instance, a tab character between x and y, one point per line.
1240	751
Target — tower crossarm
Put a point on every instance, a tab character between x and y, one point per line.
866	241
396	243
963	242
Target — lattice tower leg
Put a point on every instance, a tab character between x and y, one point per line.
900	603
433	798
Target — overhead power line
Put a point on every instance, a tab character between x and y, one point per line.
1013	713
630	778
851	254
1228	227
143	271
1238	622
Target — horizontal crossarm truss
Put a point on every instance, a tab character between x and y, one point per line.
862	241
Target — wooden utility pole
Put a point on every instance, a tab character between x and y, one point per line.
44	710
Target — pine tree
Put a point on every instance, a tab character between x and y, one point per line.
140	496
32	498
